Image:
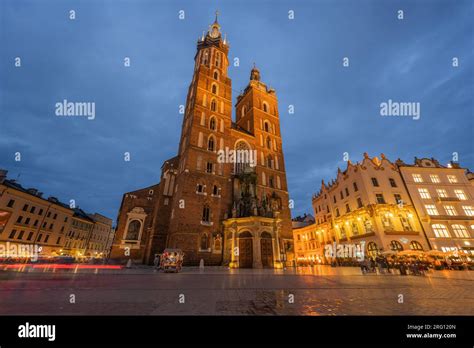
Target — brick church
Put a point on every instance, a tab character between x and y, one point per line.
224	197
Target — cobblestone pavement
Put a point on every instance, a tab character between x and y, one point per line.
321	290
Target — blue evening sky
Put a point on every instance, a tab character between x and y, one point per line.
336	108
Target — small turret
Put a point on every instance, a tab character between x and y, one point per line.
254	74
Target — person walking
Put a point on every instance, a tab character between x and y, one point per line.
156	261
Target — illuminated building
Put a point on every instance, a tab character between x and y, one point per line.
368	204
444	200
222	211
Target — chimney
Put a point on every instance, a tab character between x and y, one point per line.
3	175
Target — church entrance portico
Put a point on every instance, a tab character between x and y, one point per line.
252	242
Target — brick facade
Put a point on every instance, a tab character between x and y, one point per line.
203	187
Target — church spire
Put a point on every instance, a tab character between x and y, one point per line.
255	73
214	29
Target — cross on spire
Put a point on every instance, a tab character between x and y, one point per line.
217	14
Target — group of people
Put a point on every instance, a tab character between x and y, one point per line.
381	264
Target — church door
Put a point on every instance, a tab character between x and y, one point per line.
245	253
266	252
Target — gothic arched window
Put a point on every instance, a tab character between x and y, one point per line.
216	75
271	182
242	157
204	242
206	212
211	144
205	57
414	245
372	249
244	111
265	107
269	161
214	88
212	123
396	246
266	126
133	230
213	105
269	143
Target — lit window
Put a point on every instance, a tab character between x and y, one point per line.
460	194
450	210
468	210
398	198
460	231
424	193
435	178
452	179
442	193
417	178
414	245
440	231
431	209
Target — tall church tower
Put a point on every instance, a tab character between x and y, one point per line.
224	197
203	190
